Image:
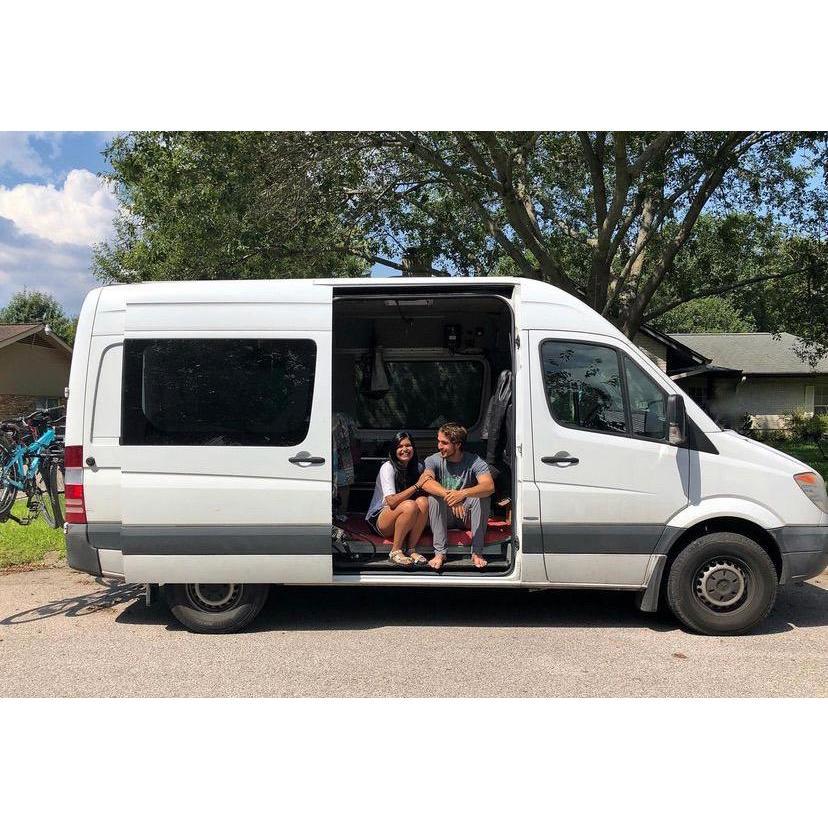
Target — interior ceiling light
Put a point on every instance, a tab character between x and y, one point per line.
409	303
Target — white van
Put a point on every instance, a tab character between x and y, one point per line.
198	448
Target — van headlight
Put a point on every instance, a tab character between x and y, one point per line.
814	487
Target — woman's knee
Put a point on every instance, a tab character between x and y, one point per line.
407	507
422	504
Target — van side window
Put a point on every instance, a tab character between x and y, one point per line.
648	403
190	392
421	394
583	385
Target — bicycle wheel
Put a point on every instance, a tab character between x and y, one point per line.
48	502
8	491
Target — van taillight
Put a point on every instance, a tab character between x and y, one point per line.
75	508
73	457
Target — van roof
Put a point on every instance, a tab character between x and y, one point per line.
541	305
192	290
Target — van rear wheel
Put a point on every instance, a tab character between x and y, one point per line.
215	608
722	584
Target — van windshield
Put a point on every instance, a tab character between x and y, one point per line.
422	394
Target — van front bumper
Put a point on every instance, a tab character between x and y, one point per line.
804	551
80	554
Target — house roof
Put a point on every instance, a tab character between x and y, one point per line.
751	353
707	369
674	345
10	334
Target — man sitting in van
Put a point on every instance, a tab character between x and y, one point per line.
459	485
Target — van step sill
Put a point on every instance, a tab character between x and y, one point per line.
385	566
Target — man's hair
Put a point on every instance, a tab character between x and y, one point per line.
455	432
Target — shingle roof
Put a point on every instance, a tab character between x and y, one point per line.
752	353
16	331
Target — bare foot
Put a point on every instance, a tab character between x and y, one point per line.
479	561
436	563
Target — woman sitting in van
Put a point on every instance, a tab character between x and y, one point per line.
399	508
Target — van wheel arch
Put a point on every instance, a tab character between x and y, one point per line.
738	526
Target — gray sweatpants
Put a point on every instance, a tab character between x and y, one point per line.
442	519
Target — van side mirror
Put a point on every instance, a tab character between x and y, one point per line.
676	421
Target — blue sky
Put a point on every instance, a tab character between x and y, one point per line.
53	209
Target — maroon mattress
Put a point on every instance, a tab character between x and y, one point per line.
497	532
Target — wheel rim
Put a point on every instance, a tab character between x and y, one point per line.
214	597
722	584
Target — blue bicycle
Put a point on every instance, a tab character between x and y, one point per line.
29	464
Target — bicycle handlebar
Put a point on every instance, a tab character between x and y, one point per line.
46	413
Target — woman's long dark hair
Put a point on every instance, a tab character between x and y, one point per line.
404	476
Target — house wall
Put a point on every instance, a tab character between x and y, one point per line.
655	350
767	400
28	373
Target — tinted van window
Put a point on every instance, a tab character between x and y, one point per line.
648	404
421	394
583	385
249	392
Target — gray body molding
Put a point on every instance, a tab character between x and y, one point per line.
84	541
804	551
648	600
532	540
600	538
226	540
80	553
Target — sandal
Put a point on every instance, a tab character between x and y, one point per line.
399	557
478	566
416	557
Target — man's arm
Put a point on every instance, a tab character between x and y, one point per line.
483	488
429	484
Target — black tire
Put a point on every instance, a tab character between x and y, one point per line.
215	608
722	584
8	493
46	481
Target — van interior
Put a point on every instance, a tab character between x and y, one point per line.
411	362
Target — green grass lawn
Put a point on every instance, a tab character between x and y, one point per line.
28	544
806	452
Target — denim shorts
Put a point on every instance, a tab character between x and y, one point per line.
371	520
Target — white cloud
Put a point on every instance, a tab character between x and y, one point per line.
33	263
20	156
80	212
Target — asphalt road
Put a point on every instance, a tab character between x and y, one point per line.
66	634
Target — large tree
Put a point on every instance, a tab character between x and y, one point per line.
227	205
27	306
610	217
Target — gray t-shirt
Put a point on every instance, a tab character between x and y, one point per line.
460	475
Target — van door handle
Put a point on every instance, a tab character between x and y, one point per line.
560	460
303	457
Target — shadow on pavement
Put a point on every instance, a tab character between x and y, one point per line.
112	594
345	608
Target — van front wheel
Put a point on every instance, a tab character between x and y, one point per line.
215	608
722	584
